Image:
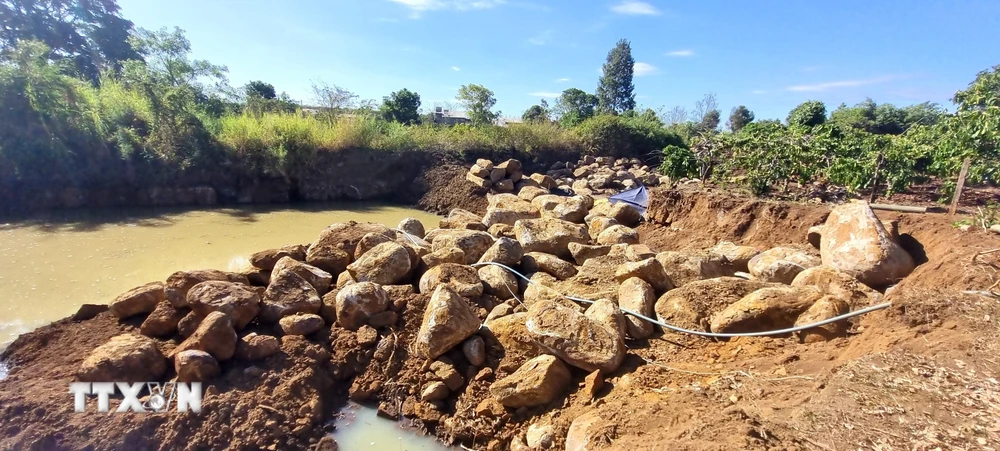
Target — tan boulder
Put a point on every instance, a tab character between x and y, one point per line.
607	313
512	166
572	209
196	366
597	224
301	324
827	307
358	302
691	306
126	357
462	219
288	293
444	255
344	279
583	252
637	295
498	282
188	324
505	251
739	256
255	347
511	333
267	258
180	282
473	243
618	234
329	258
548	263
448	321
586	432
549	235
649	270
385	264
815	235
496	216
546	202
766	309
575	338
463	279
344	236
318	278
162	322
855	241
781	264
501	230
544	181
529	193
838	283
538	382
412	226
142	299
505	186
684	268
237	301
625	214
369	241
215	335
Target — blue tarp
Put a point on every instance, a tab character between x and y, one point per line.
636	197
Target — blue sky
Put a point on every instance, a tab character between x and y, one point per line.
767	55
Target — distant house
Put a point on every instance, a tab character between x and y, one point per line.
448	117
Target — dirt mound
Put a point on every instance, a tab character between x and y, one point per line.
445	188
920	374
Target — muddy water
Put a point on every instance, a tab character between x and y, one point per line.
51	265
360	428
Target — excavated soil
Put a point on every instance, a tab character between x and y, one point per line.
920	375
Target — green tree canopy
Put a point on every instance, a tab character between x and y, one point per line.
260	90
478	102
575	106
739	117
536	114
615	90
808	114
401	106
710	121
89	33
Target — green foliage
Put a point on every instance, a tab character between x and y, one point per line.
678	162
739	117
575	106
261	90
479	103
91	35
615	90
401	106
625	136
710	121
536	114
808	114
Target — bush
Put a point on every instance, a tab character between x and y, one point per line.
625	137
678	162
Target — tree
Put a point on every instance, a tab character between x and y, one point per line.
333	99
401	106
478	102
575	106
260	90
615	90
703	107
926	113
536	114
91	34
808	114
677	115
710	122
739	117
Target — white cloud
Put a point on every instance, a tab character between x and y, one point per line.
684	52
456	68
758	91
562	80
545	94
643	69
543	38
635	8
419	6
817	87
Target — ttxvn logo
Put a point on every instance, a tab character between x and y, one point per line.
187	396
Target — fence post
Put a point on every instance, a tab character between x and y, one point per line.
958	188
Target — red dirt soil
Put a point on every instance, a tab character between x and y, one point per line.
920	375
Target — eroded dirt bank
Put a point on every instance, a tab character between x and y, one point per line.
920	375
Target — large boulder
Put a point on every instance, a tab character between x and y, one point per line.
386	264
546	202
781	264
548	263
127	357
692	305
572	209
473	242
180	282
549	235
512	334
855	241
575	338
329	258
766	309
369	241
267	258
358	302
827	307
255	347
685	267
138	300
838	283
649	270
195	366
625	214
215	335
442	256
412	226
505	251
738	255
637	295
597	224
318	278
608	313
538	382
288	293
583	252
498	282
462	219
529	193
496	216
344	236
237	301
463	279
618	234
448	321
301	324
162	322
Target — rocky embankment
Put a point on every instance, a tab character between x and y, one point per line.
588	176
429	324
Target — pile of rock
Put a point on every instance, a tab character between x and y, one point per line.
501	177
604	175
521	338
